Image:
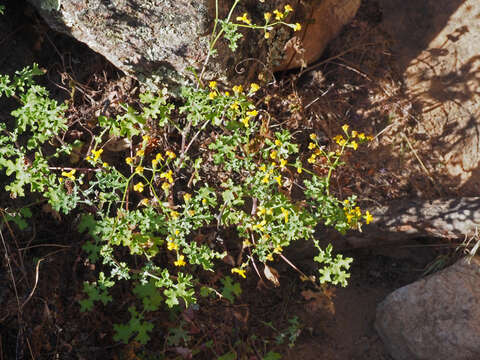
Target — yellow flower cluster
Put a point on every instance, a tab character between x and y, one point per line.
254	88
239	271
180	261
70	175
313	146
170	154
172	246
350	140
244	18
246	119
138	187
96	155
354	214
285	214
237	89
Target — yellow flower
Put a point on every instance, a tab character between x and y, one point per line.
345	128
244	18
252	113
283	162
369	138
285	214
138	187
145	138
204	201
261	210
143	202
358	212
288	8
154	162
342	142
349	217
129	160
227	93
346	201
267	35
212	95
212	84
88	158
299	170
172	246
254	87
159	157
234	105
267	16
269	257
297	27
338	138
70	174
139	169
273	154
312	158
278	142
191	212
174	214
246	243
266	179
311	146
354	145
263	167
354	133
96	154
240	272
237	88
170	154
105	164
361	136
177	232
168	176
60	180
368	217
278	249
278	179
140	153
278	15
313	136
165	186
187	197
180	261
244	121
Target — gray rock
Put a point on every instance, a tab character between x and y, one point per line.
145	38
435	318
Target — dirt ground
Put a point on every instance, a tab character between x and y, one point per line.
357	82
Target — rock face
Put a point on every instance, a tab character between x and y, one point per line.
435	318
437	47
166	37
325	19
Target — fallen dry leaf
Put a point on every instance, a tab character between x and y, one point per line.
272	275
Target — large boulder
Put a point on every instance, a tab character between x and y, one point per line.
166	38
436	44
436	318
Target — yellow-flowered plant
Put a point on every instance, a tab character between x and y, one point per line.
152	203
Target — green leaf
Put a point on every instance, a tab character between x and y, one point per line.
230	289
150	295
